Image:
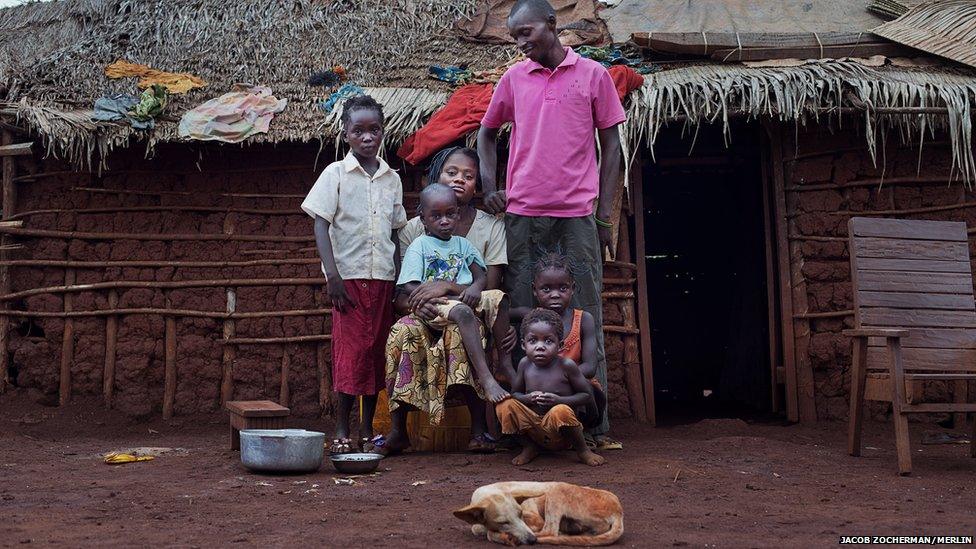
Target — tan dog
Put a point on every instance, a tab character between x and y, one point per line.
555	513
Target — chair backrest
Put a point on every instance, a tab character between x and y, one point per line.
915	275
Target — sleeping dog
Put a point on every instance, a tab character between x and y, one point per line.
556	513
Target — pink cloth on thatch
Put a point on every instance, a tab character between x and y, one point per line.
232	117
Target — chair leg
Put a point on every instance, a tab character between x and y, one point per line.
902	442
960	395
858	380
972	438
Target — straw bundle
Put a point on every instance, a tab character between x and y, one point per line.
891	9
946	28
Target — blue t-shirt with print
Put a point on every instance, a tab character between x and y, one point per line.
430	258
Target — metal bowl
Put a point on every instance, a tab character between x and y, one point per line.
356	463
282	450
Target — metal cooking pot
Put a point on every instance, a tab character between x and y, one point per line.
282	450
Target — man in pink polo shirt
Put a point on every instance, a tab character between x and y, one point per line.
555	101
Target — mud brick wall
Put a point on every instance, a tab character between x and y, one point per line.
830	177
184	175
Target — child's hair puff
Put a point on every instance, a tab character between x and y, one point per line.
553	259
544	316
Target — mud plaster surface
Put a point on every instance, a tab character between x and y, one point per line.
139	370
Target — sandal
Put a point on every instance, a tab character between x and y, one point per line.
482	444
380	445
603	442
341	446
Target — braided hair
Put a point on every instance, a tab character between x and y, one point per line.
437	163
553	259
545	316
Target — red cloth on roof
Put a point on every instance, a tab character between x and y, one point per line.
625	79
462	114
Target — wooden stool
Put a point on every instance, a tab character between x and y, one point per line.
254	414
452	435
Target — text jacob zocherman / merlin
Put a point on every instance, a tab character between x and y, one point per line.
917	540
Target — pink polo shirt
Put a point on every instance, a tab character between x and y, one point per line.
552	168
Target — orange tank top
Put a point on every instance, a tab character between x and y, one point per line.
573	344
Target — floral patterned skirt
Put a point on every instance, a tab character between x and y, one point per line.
420	369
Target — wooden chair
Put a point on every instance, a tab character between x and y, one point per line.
915	320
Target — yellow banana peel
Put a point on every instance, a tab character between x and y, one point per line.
115	458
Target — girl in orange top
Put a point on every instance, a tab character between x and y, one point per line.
553	287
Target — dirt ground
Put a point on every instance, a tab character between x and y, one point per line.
721	483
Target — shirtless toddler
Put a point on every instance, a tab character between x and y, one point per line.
547	391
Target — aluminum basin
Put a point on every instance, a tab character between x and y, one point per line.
282	450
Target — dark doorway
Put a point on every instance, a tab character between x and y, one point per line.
706	275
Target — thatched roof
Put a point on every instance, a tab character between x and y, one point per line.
53	54
52	58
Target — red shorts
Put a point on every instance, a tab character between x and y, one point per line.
359	338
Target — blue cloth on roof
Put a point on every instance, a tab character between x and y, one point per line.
345	92
450	74
113	108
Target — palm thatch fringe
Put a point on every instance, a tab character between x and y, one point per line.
406	111
817	91
813	91
70	135
946	28
892	8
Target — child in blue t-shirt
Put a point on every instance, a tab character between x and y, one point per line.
440	255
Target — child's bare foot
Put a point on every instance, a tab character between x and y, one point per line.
529	452
494	391
590	458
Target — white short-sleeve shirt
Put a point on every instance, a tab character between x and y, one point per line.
362	212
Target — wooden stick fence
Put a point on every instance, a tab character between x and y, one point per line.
12	226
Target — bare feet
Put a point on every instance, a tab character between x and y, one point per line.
590	458
529	452
494	391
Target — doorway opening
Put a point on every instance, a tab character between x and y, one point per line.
705	253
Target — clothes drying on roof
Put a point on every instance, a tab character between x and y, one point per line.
113	108
625	79
577	21
232	117
462	114
328	78
459	76
345	92
141	112
608	55
174	82
450	74
151	104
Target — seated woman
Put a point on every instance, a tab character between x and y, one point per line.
421	364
